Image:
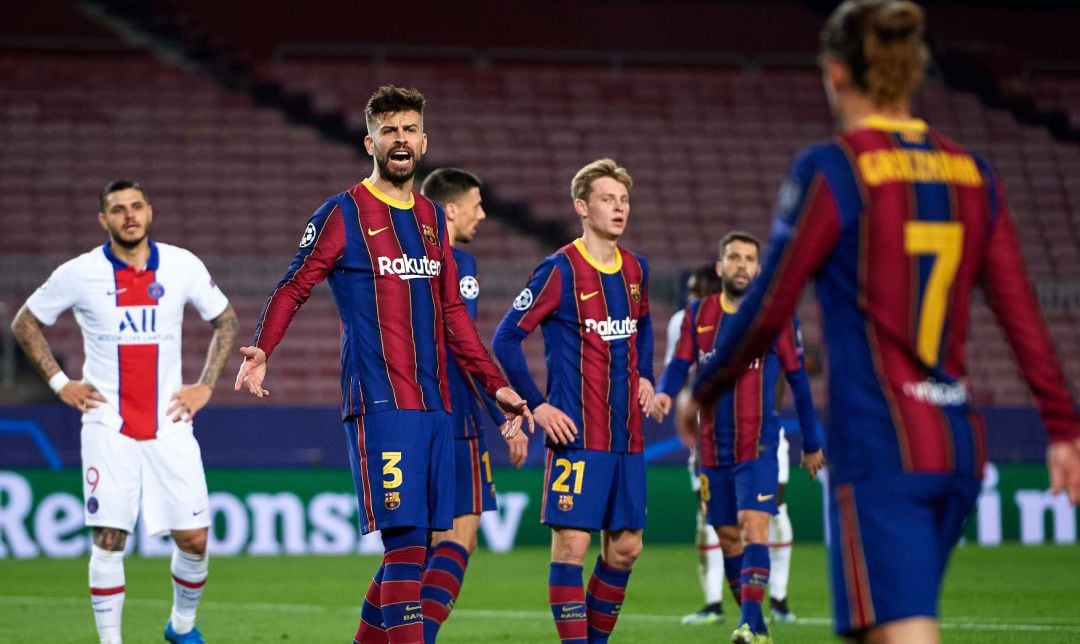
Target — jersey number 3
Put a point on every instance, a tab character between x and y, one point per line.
944	241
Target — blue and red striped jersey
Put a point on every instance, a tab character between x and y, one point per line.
469	400
597	343
743	423
897	225
395	283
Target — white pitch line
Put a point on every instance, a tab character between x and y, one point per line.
955	624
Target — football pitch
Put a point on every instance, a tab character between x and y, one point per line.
1005	594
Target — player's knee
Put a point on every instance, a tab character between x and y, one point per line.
624	555
111	539
730	540
569	547
193	541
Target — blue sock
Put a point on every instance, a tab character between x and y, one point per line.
733	573
755	579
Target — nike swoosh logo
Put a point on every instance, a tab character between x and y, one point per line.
117	292
411	607
372	233
195	514
764	497
705	329
588	296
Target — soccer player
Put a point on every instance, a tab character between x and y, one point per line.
738	437
385	251
138	449
592	299
458	192
897	225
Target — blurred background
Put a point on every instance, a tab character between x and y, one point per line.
241	117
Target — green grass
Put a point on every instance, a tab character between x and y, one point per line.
1004	594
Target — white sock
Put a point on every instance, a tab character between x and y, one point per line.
189	573
710	562
780	536
107	592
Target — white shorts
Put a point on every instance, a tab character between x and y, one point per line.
165	474
782	458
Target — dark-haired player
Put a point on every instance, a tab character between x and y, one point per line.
591	299
458	192
385	251
897	225
738	437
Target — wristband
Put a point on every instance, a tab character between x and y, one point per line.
57	382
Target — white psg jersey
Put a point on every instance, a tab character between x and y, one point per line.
131	324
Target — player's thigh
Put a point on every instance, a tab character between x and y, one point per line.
578	485
174	483
569	545
474	489
112	477
884	553
463	532
718	496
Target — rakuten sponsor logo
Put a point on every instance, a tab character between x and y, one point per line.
610	329
410	268
939	394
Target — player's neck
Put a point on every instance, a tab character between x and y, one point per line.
400	192
139	256
604	251
859	108
730	303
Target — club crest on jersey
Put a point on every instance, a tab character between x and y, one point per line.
92	505
308	238
410	268
429	234
610	329
392	500
469	287
155	290
524	300
635	292
566	502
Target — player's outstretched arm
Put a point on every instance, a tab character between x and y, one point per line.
191	398
27	330
252	372
559	427
515	409
518	447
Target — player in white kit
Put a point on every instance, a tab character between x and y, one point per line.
137	445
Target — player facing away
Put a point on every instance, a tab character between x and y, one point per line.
458	192
897	225
137	447
591	299
738	436
385	251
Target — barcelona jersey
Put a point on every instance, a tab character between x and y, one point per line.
743	423
897	225
597	343
395	283
469	400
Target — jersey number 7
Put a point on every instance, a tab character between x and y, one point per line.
944	241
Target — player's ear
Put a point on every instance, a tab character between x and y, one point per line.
719	268
101	220
450	208
369	145
837	74
423	144
581	208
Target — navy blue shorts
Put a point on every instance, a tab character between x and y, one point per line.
403	468
593	490
750	485
475	491
891	540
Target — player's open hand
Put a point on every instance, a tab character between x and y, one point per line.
252	371
1063	461
645	395
515	409
661	406
557	425
80	395
184	404
813	462
518	446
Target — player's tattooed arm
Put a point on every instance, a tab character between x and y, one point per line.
191	398
221	344
27	331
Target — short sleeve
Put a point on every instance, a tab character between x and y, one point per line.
59	293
